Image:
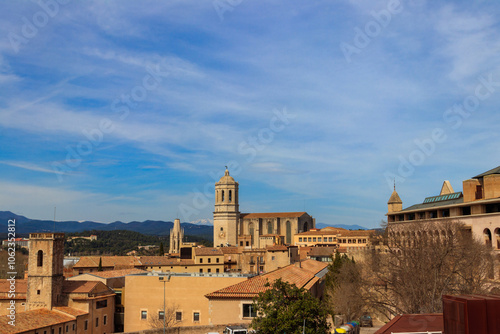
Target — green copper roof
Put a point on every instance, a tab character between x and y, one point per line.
442	197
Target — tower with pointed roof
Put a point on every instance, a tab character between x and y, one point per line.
395	203
226	214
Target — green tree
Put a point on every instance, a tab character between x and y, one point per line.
99	268
283	309
161	251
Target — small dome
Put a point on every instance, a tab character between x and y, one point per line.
394	198
226	179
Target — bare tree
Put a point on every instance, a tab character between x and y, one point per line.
424	261
157	321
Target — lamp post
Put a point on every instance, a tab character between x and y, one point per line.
163	281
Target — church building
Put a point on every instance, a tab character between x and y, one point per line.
254	230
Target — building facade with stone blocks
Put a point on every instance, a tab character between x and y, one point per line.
256	230
477	206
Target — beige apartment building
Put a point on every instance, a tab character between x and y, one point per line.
333	237
184	296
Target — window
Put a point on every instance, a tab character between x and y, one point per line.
178	316
209	260
85	325
144	315
309	239
209	270
230	195
67	328
330	239
217	270
60	330
241	243
300	239
222	195
201	270
101	304
73	326
105	320
272	258
248	311
97	322
217	260
201	260
247	243
314	239
161	315
37	292
39	258
196	316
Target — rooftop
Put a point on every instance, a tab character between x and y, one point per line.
301	276
31	320
495	170
413	323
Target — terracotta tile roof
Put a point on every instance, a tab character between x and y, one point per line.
107	261
31	320
164	261
276	248
71	310
230	250
322	251
413	323
300	276
203	251
117	273
273	215
85	287
21	286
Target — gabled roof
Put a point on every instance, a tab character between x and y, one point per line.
34	319
70	310
86	287
293	274
273	215
495	170
408	323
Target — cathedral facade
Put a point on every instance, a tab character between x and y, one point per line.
255	230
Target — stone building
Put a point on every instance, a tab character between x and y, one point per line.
255	230
46	303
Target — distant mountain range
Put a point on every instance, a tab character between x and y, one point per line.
156	227
200	228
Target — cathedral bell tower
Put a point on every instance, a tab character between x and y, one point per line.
226	214
45	270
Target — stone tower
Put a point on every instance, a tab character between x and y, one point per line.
45	270
226	214
176	236
395	203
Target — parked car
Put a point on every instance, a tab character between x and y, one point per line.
366	321
235	330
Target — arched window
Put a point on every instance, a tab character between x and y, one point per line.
39	258
306	227
288	232
230	195
487	237
222	195
269	228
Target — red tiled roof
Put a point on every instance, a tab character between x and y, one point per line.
413	323
273	215
230	250
31	320
21	286
70	310
276	248
87	287
293	274
204	251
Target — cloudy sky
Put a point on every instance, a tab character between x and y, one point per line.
130	110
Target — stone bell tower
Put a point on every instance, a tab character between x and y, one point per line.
45	270
226	214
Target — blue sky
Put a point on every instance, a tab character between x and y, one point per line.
127	110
